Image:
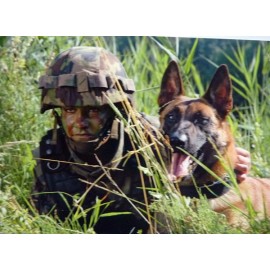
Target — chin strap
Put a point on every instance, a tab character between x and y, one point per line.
57	121
83	168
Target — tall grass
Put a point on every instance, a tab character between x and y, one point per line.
23	60
252	117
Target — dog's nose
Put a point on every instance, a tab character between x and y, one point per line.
178	141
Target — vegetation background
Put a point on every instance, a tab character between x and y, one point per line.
23	60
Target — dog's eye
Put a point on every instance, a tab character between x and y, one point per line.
201	120
171	117
204	121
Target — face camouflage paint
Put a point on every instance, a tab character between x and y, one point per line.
83	124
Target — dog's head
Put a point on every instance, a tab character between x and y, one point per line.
196	126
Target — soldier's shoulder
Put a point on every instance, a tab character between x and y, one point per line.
52	143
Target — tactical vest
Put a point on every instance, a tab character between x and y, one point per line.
62	179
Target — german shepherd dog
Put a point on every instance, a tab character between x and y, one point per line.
204	148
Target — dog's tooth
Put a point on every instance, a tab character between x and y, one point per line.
172	177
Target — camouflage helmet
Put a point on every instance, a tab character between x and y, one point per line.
84	76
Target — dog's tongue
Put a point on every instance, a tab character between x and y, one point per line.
180	163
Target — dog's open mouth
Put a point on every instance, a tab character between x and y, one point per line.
182	165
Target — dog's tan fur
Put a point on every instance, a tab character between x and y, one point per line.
253	190
214	105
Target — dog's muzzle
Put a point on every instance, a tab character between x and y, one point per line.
178	142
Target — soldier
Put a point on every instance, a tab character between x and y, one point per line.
85	162
88	165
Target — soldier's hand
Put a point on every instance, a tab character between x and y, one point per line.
243	164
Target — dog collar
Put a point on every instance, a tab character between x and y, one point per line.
211	191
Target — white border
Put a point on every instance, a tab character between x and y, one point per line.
226	19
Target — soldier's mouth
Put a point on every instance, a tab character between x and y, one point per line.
83	137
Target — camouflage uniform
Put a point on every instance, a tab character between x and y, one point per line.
66	181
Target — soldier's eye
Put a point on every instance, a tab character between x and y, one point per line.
70	110
93	110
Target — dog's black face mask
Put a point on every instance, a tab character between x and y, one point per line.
190	134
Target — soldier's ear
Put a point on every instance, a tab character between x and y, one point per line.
219	93
171	84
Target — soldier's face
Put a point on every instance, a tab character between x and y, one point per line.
83	124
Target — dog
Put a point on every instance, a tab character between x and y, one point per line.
204	147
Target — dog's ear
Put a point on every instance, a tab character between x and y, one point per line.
219	93
171	84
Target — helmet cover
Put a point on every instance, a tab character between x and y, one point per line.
84	76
